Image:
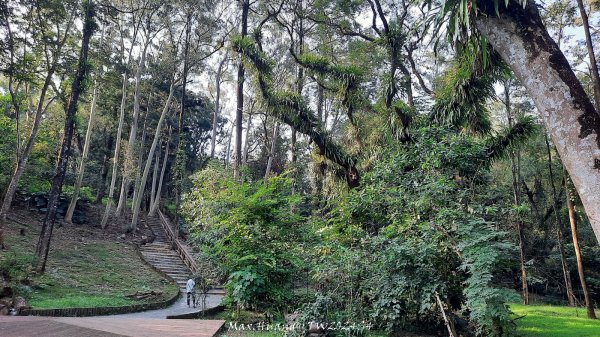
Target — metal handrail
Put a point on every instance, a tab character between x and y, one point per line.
183	254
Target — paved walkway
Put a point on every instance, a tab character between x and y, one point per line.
29	326
178	308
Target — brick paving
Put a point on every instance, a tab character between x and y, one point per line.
29	326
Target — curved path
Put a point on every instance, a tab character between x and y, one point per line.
178	308
160	255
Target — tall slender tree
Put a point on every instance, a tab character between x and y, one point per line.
591	55
239	112
589	304
52	42
43	245
215	120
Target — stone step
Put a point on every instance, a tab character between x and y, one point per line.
170	265
174	269
177	269
179	277
160	248
159	253
160	245
165	260
157	250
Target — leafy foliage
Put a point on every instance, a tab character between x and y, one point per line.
249	232
413	231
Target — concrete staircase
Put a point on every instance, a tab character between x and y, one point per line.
161	256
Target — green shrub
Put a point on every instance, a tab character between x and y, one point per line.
16	268
249	231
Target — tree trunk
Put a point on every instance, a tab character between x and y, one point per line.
319	168
239	113
25	151
559	229
43	246
128	166
586	294
86	149
524	43
154	178
227	158
101	189
136	206
516	175
272	151
23	157
180	155
247	139
156	201
590	49
140	159
113	178
213	140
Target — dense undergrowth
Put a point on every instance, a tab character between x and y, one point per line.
415	230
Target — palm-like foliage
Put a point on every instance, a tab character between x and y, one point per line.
514	136
466	87
291	108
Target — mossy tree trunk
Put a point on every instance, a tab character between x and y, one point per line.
523	42
128	165
156	202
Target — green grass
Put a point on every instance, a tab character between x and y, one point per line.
554	321
83	270
232	333
81	301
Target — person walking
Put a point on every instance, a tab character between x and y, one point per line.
189	288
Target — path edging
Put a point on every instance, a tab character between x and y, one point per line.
199	314
98	311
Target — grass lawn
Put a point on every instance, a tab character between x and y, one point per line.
84	269
232	333
554	321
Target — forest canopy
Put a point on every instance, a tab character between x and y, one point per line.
418	165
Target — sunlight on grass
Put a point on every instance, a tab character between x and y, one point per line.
95	275
82	301
554	321
83	273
